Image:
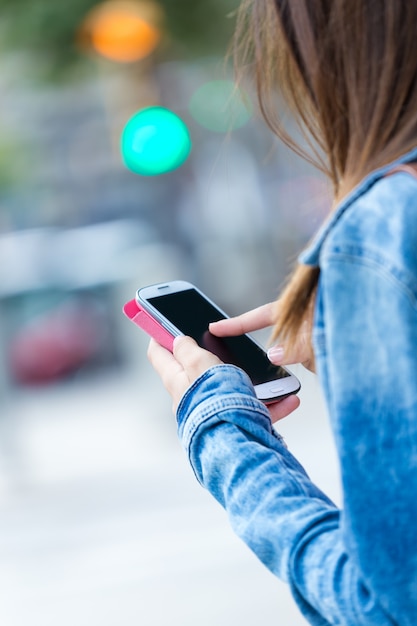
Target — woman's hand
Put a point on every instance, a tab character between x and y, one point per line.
262	317
188	361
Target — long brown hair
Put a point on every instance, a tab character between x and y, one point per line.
347	69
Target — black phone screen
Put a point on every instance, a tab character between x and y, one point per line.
191	313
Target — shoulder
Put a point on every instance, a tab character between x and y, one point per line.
379	224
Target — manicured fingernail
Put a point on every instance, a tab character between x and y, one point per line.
276	354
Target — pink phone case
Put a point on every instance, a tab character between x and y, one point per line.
146	322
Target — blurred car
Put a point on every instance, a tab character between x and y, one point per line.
57	343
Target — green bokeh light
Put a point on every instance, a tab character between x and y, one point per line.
155	141
219	106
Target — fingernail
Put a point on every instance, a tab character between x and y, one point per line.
276	354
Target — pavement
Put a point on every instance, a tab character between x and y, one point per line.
102	522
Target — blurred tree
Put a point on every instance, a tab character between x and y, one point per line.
49	29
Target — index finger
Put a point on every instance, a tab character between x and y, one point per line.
261	317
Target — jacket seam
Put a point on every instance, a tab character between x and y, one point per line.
215	409
396	275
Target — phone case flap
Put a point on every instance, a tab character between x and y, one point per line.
146	322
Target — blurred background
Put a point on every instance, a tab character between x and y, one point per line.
101	520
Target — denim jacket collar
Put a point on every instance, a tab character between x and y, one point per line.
311	255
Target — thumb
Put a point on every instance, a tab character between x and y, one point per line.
192	358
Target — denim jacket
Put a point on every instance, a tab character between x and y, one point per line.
356	566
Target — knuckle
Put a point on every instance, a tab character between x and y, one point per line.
193	360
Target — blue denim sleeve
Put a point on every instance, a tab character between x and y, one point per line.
372	394
279	513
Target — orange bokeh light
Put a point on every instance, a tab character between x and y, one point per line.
123	31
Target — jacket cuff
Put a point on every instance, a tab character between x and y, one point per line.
216	391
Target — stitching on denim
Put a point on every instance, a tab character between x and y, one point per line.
400	278
208	374
357	251
215	408
191	426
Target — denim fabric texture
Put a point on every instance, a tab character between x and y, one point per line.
356	566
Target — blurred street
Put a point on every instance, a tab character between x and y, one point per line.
102	522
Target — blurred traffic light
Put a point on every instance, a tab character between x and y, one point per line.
155	141
51	30
123	31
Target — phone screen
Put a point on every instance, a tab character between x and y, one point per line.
191	313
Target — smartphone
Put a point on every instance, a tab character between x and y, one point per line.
179	308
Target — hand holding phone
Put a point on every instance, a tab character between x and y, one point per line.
178	308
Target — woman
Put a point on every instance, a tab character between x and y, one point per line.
348	69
